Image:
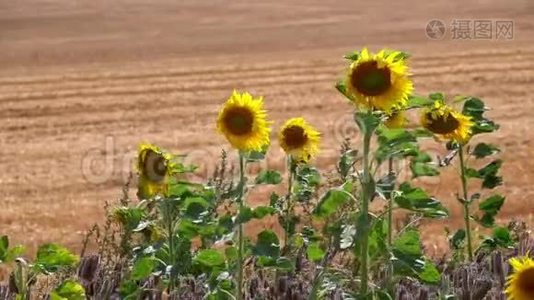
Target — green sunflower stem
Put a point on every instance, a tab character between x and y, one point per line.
241	239
466	204
289	205
367	193
390	225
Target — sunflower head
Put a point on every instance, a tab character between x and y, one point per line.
242	120
520	284
379	81
396	119
447	123
299	139
154	168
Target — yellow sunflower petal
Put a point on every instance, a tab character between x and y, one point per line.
242	120
396	119
520	284
298	139
154	168
379	81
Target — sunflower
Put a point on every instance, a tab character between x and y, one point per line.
520	284
446	123
379	81
154	167
396	119
299	139
242	120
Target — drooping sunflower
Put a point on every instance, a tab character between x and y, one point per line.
299	139
520	284
154	168
242	120
379	81
396	119
447	123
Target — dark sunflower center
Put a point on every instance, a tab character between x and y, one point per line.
239	120
526	281
295	137
371	80
443	124
155	166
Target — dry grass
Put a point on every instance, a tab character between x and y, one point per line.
73	75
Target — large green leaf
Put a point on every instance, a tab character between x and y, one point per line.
395	136
367	122
331	201
129	217
500	238
143	267
268	177
483	150
315	252
4	246
415	101
490	207
68	290
210	258
488	174
417	200
195	207
409	259
267	244
52	257
475	108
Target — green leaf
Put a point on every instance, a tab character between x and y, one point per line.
408	244
255	156
420	169
129	217
429	273
267	244
415	101
330	202
245	214
268	177
14	252
488	174
436	96
52	257
129	290
503	237
315	252
284	264
417	200
143	267
210	258
195	207
352	55
68	290
409	259
500	238
262	211
475	108
391	137
4	246
367	122
490	207
483	150
458	239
